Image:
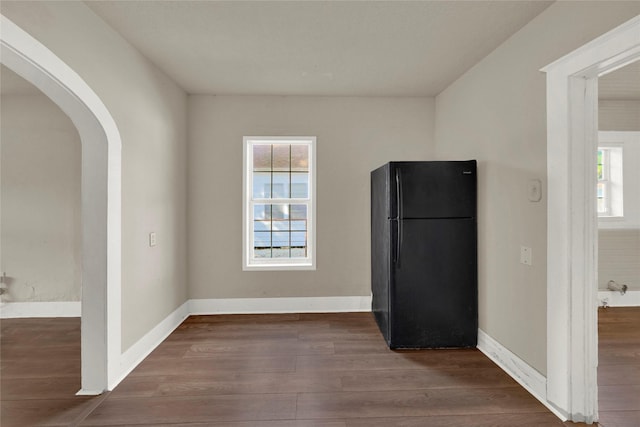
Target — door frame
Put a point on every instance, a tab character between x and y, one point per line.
572	124
100	200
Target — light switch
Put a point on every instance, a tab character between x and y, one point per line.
152	238
534	190
525	255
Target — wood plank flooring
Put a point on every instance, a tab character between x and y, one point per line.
619	366
289	370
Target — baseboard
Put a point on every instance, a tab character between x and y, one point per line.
533	381
16	310
615	299
152	339
280	305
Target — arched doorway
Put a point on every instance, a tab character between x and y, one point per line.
100	199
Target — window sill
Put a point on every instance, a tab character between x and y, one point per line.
611	218
278	267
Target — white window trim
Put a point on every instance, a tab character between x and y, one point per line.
271	264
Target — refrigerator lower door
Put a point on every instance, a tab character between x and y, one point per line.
434	295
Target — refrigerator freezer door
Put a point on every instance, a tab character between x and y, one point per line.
434	285
433	189
380	248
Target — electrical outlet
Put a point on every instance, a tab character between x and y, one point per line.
152	238
525	255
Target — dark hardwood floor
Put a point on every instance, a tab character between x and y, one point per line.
619	366
289	370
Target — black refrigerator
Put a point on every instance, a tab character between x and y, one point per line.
424	276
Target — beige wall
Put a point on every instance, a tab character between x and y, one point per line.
619	249
496	113
619	258
355	135
40	201
150	112
619	114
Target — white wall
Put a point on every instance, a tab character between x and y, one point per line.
619	240
355	135
150	112
619	258
496	113
40	234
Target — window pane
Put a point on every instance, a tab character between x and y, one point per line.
281	157
298	211
261	185
262	253
262	225
262	211
281	252
280	185
601	164
298	252
262	157
280	211
280	239
300	185
298	239
261	239
299	158
299	225
280	225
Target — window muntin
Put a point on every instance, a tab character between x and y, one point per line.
279	203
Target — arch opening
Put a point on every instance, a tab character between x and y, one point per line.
100	200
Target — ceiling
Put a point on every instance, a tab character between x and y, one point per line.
624	83
335	68
352	48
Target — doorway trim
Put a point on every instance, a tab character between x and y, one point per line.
100	199
572	123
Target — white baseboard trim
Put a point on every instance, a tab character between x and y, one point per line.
84	392
152	339
615	299
280	305
533	381
16	310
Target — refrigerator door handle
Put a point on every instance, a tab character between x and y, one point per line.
394	239
398	194
399	215
398	243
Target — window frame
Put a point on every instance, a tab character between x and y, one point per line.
250	263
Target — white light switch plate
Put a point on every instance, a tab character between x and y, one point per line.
152	238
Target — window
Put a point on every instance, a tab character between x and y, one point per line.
604	202
609	194
279	203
